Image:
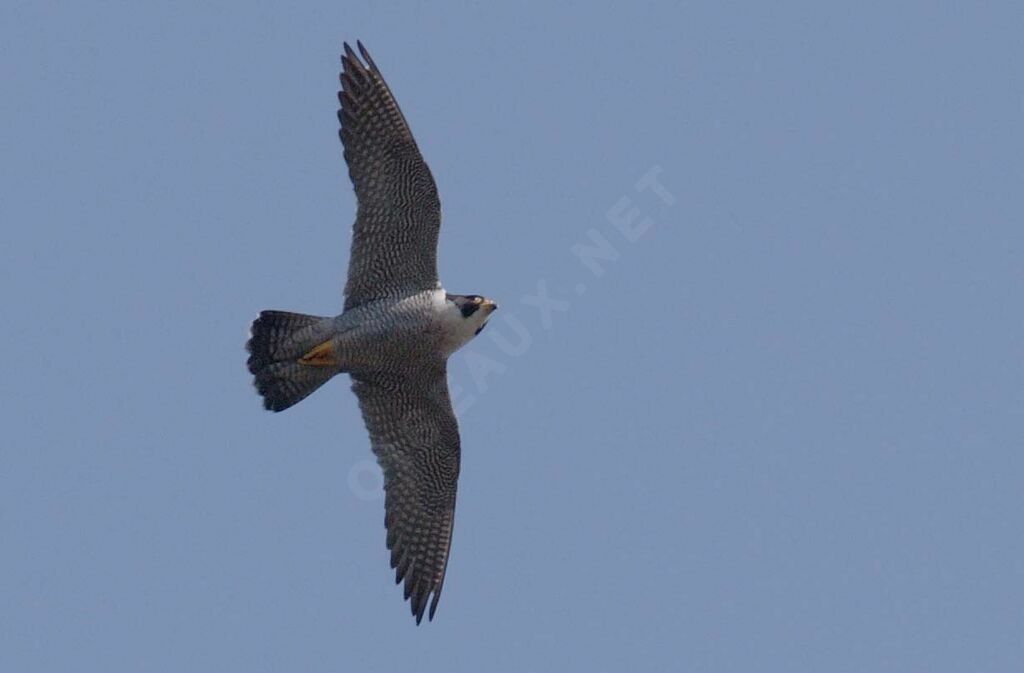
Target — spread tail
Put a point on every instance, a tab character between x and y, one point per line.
290	355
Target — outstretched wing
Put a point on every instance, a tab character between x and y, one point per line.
416	439
394	238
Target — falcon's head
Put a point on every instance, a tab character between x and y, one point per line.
474	311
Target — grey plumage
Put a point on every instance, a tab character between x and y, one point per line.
394	239
404	415
394	336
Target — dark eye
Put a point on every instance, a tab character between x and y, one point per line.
468	309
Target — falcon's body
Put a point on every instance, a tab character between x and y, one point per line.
394	336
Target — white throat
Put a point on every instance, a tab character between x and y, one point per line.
459	330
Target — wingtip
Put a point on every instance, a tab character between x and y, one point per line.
366	56
350	53
418	605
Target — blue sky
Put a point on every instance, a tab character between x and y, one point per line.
775	425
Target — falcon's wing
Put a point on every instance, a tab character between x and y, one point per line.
416	438
394	238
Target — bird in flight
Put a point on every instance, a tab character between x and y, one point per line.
393	337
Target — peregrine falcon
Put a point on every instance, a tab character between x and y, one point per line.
393	337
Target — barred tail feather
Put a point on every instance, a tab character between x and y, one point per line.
283	384
277	340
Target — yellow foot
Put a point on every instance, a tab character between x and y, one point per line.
321	356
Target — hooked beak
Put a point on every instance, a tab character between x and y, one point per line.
489	305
